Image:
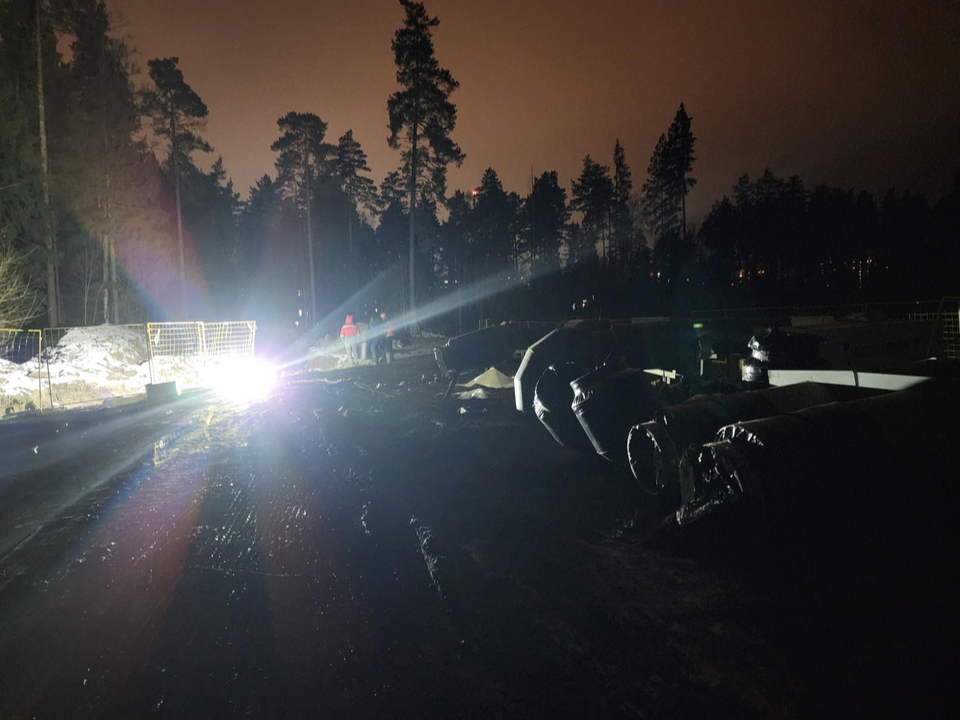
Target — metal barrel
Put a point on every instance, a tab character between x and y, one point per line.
833	462
655	448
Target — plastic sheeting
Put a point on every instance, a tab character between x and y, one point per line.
493	379
831	463
775	348
608	401
552	405
655	448
482	348
582	342
478	394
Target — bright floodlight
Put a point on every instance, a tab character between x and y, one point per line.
242	379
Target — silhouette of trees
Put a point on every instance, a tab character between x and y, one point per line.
115	212
179	116
422	117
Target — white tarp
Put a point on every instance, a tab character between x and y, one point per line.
477	394
493	379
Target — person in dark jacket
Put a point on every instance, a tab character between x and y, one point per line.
350	335
375	339
387	347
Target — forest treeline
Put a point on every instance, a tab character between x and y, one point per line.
107	212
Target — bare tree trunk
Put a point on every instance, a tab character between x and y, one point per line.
53	303
350	245
683	206
114	290
87	282
183	270
176	184
106	278
413	208
313	281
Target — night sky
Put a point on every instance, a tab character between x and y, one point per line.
858	94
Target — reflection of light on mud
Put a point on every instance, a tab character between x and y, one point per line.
137	550
159	452
363	518
430	556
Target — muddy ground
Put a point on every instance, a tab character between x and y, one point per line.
357	548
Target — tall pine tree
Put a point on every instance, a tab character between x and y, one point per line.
593	196
421	119
303	158
359	189
622	189
659	198
548	223
680	148
179	116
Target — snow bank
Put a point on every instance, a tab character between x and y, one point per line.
18	390
103	355
92	364
190	372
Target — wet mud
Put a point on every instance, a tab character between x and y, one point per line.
357	547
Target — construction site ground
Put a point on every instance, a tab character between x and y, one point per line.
356	546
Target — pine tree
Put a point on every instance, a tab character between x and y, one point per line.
359	189
304	157
493	223
660	206
456	234
392	192
680	148
211	208
622	190
421	118
548	223
23	214
103	183
593	196
32	62
179	116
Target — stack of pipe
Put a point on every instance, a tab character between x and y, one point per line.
835	459
655	449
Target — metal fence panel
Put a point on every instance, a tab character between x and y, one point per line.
946	344
188	352
231	339
21	377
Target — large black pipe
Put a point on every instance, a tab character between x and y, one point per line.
552	402
608	401
833	461
584	342
655	448
480	349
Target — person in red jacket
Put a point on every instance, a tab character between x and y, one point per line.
350	334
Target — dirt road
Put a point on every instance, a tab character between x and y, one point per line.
354	547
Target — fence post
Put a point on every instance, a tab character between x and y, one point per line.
40	368
146	327
49	379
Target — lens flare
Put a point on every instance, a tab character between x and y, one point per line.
242	380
